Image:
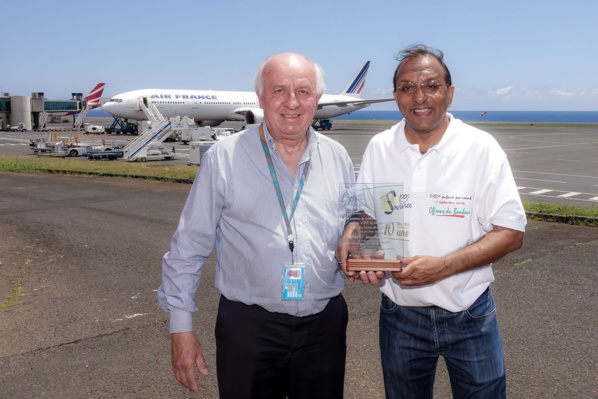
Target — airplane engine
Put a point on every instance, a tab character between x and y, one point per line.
254	116
209	122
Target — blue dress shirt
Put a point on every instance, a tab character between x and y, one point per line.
233	206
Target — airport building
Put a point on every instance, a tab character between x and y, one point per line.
31	112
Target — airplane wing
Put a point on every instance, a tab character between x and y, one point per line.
355	101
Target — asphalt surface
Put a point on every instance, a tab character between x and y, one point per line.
84	255
85	252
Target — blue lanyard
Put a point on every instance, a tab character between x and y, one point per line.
287	219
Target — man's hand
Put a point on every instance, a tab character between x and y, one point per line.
371	277
186	355
348	247
421	270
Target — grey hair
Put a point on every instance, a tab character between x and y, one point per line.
259	75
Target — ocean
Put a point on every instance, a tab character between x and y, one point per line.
489	116
468	116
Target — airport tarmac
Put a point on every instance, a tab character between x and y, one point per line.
550	162
84	253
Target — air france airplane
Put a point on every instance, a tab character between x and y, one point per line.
211	108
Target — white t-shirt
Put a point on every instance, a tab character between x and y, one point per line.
452	196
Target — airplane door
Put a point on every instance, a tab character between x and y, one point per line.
194	104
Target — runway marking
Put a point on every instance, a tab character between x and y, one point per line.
571	195
555	174
567	195
543	191
550	146
550	181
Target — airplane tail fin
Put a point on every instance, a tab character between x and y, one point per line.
356	85
93	98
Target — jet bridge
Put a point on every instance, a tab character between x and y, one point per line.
149	144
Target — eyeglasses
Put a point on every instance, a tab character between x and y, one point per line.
429	87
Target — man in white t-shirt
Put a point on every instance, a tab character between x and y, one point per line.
459	212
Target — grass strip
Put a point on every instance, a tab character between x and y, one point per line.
146	170
15	293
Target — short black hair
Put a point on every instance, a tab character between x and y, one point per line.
418	51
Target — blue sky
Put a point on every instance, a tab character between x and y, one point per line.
503	55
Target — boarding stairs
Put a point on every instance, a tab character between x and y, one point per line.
151	139
43	118
81	117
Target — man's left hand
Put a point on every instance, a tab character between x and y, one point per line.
421	270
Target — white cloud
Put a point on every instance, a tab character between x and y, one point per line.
505	91
377	93
562	93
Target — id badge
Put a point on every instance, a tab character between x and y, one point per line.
293	278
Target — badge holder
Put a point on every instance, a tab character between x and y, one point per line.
293	279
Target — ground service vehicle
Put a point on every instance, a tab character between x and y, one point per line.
91	129
200	133
322	124
19	128
111	155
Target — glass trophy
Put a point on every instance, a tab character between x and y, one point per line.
374	231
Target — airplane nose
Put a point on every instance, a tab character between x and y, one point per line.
109	107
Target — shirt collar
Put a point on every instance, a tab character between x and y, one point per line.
444	147
447	143
312	142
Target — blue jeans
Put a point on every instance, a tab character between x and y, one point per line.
412	338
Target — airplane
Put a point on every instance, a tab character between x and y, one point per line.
92	99
211	108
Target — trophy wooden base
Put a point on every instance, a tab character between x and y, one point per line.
383	265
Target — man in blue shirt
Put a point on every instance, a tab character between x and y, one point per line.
266	198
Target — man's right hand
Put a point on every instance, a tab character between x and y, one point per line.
348	247
186	355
